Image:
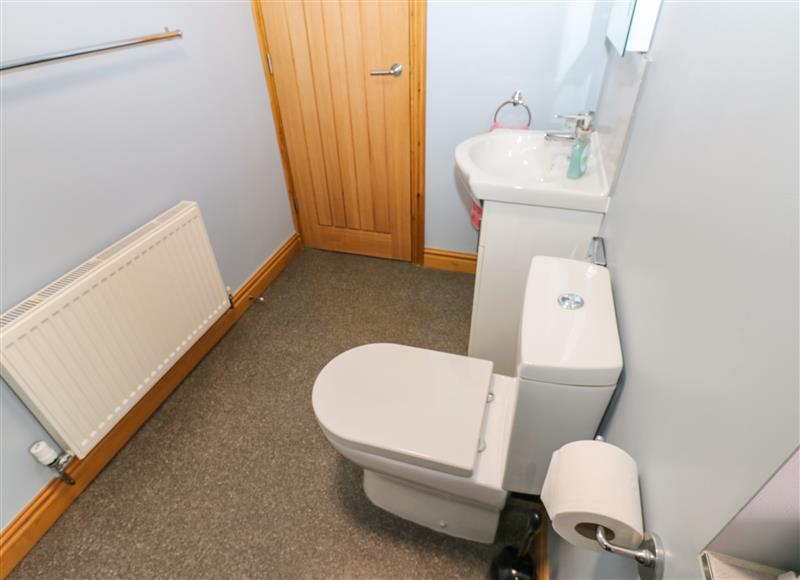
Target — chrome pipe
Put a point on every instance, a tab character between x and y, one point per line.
60	467
597	256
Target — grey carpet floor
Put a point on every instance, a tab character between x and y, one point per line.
232	477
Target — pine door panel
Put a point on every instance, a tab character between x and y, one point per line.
347	133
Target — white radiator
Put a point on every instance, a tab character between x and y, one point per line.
85	349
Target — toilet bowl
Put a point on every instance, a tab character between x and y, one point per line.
443	440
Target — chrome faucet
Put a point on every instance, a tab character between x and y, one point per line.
583	121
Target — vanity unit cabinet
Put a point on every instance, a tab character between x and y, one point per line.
511	235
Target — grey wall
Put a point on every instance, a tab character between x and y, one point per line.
702	239
478	53
94	147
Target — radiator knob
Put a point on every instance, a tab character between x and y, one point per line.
43	453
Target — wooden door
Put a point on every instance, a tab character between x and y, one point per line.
347	133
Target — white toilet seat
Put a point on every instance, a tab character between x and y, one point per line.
420	423
417	406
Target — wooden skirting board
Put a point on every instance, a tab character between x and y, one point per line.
540	548
17	539
452	261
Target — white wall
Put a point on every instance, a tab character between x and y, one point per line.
94	147
702	240
478	53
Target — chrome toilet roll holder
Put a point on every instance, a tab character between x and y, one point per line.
649	555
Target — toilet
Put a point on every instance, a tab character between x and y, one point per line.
443	440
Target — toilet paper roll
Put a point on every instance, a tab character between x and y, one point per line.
591	483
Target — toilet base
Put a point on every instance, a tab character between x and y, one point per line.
424	506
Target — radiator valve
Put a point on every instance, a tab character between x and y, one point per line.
48	457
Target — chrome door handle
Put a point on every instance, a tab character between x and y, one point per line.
395	70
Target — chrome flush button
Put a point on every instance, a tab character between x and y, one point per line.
570	301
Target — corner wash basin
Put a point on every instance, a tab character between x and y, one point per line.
520	166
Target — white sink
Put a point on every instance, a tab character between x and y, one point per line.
517	166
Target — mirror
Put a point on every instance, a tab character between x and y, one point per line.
619	24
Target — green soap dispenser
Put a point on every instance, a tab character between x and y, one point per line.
579	157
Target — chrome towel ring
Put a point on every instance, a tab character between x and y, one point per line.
515	101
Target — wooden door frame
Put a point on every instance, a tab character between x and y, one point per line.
417	44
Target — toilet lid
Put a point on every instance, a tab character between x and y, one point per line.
411	404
